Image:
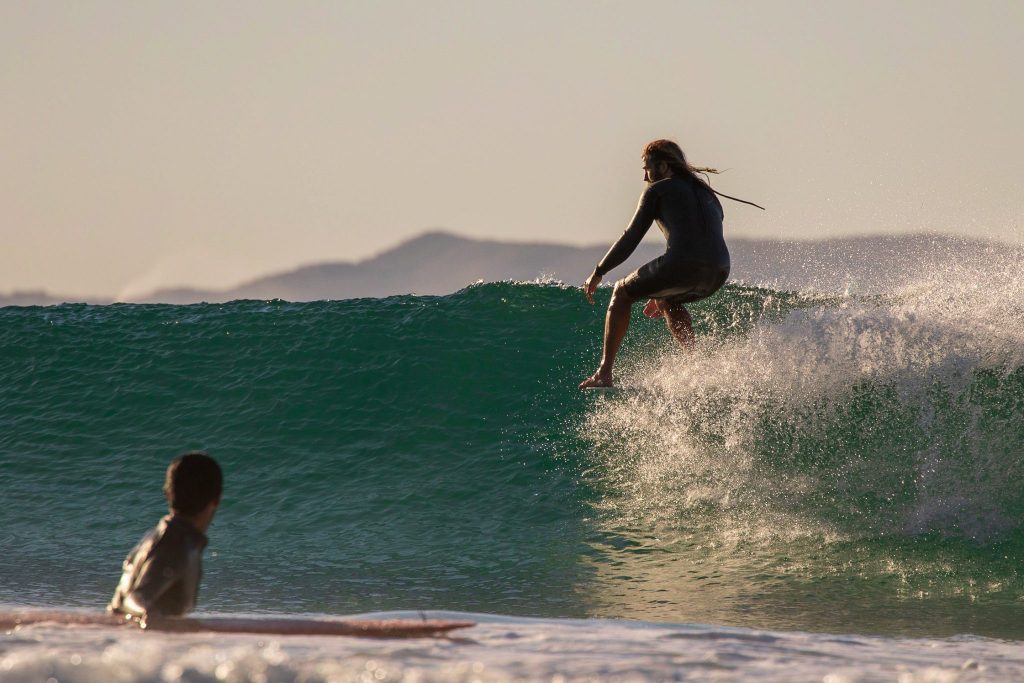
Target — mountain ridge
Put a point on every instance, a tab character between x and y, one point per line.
440	262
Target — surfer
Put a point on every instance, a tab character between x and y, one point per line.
161	574
694	266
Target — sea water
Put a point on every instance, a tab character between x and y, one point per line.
830	487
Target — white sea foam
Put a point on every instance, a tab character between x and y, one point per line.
503	649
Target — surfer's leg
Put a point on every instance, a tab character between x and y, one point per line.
616	323
679	323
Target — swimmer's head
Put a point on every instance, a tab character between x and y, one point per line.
193	482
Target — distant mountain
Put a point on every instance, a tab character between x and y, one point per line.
865	264
433	263
440	263
37	297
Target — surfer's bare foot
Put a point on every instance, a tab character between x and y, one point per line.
598	379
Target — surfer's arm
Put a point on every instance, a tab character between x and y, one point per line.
646	211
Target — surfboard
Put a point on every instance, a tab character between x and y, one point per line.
363	628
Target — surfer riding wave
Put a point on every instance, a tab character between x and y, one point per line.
694	266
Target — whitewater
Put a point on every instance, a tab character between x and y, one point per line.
830	488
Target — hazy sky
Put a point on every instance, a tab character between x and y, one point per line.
164	143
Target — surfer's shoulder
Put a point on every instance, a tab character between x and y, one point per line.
667	186
662	185
655	191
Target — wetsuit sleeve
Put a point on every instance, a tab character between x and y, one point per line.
646	212
162	570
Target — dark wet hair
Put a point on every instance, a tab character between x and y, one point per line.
194	480
670	152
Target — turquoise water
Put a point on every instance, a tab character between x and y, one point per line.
820	464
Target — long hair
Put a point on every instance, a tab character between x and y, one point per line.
669	152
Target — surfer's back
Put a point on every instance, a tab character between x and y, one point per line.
690	217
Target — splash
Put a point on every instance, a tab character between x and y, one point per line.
839	418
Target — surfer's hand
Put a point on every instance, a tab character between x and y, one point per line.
590	286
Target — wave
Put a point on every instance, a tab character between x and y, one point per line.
434	451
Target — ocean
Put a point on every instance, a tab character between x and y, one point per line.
829	488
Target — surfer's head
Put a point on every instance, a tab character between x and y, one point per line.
662	159
193	482
665	159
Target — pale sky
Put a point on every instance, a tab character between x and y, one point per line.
151	144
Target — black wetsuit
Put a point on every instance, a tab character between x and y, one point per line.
695	264
162	572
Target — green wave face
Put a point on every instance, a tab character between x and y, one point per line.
817	462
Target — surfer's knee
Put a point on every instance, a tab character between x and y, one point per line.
620	297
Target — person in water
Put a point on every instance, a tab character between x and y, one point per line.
694	266
161	574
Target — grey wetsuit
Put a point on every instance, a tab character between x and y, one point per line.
161	574
696	262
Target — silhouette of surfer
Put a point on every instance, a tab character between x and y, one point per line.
694	266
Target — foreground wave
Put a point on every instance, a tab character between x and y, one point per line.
822	463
